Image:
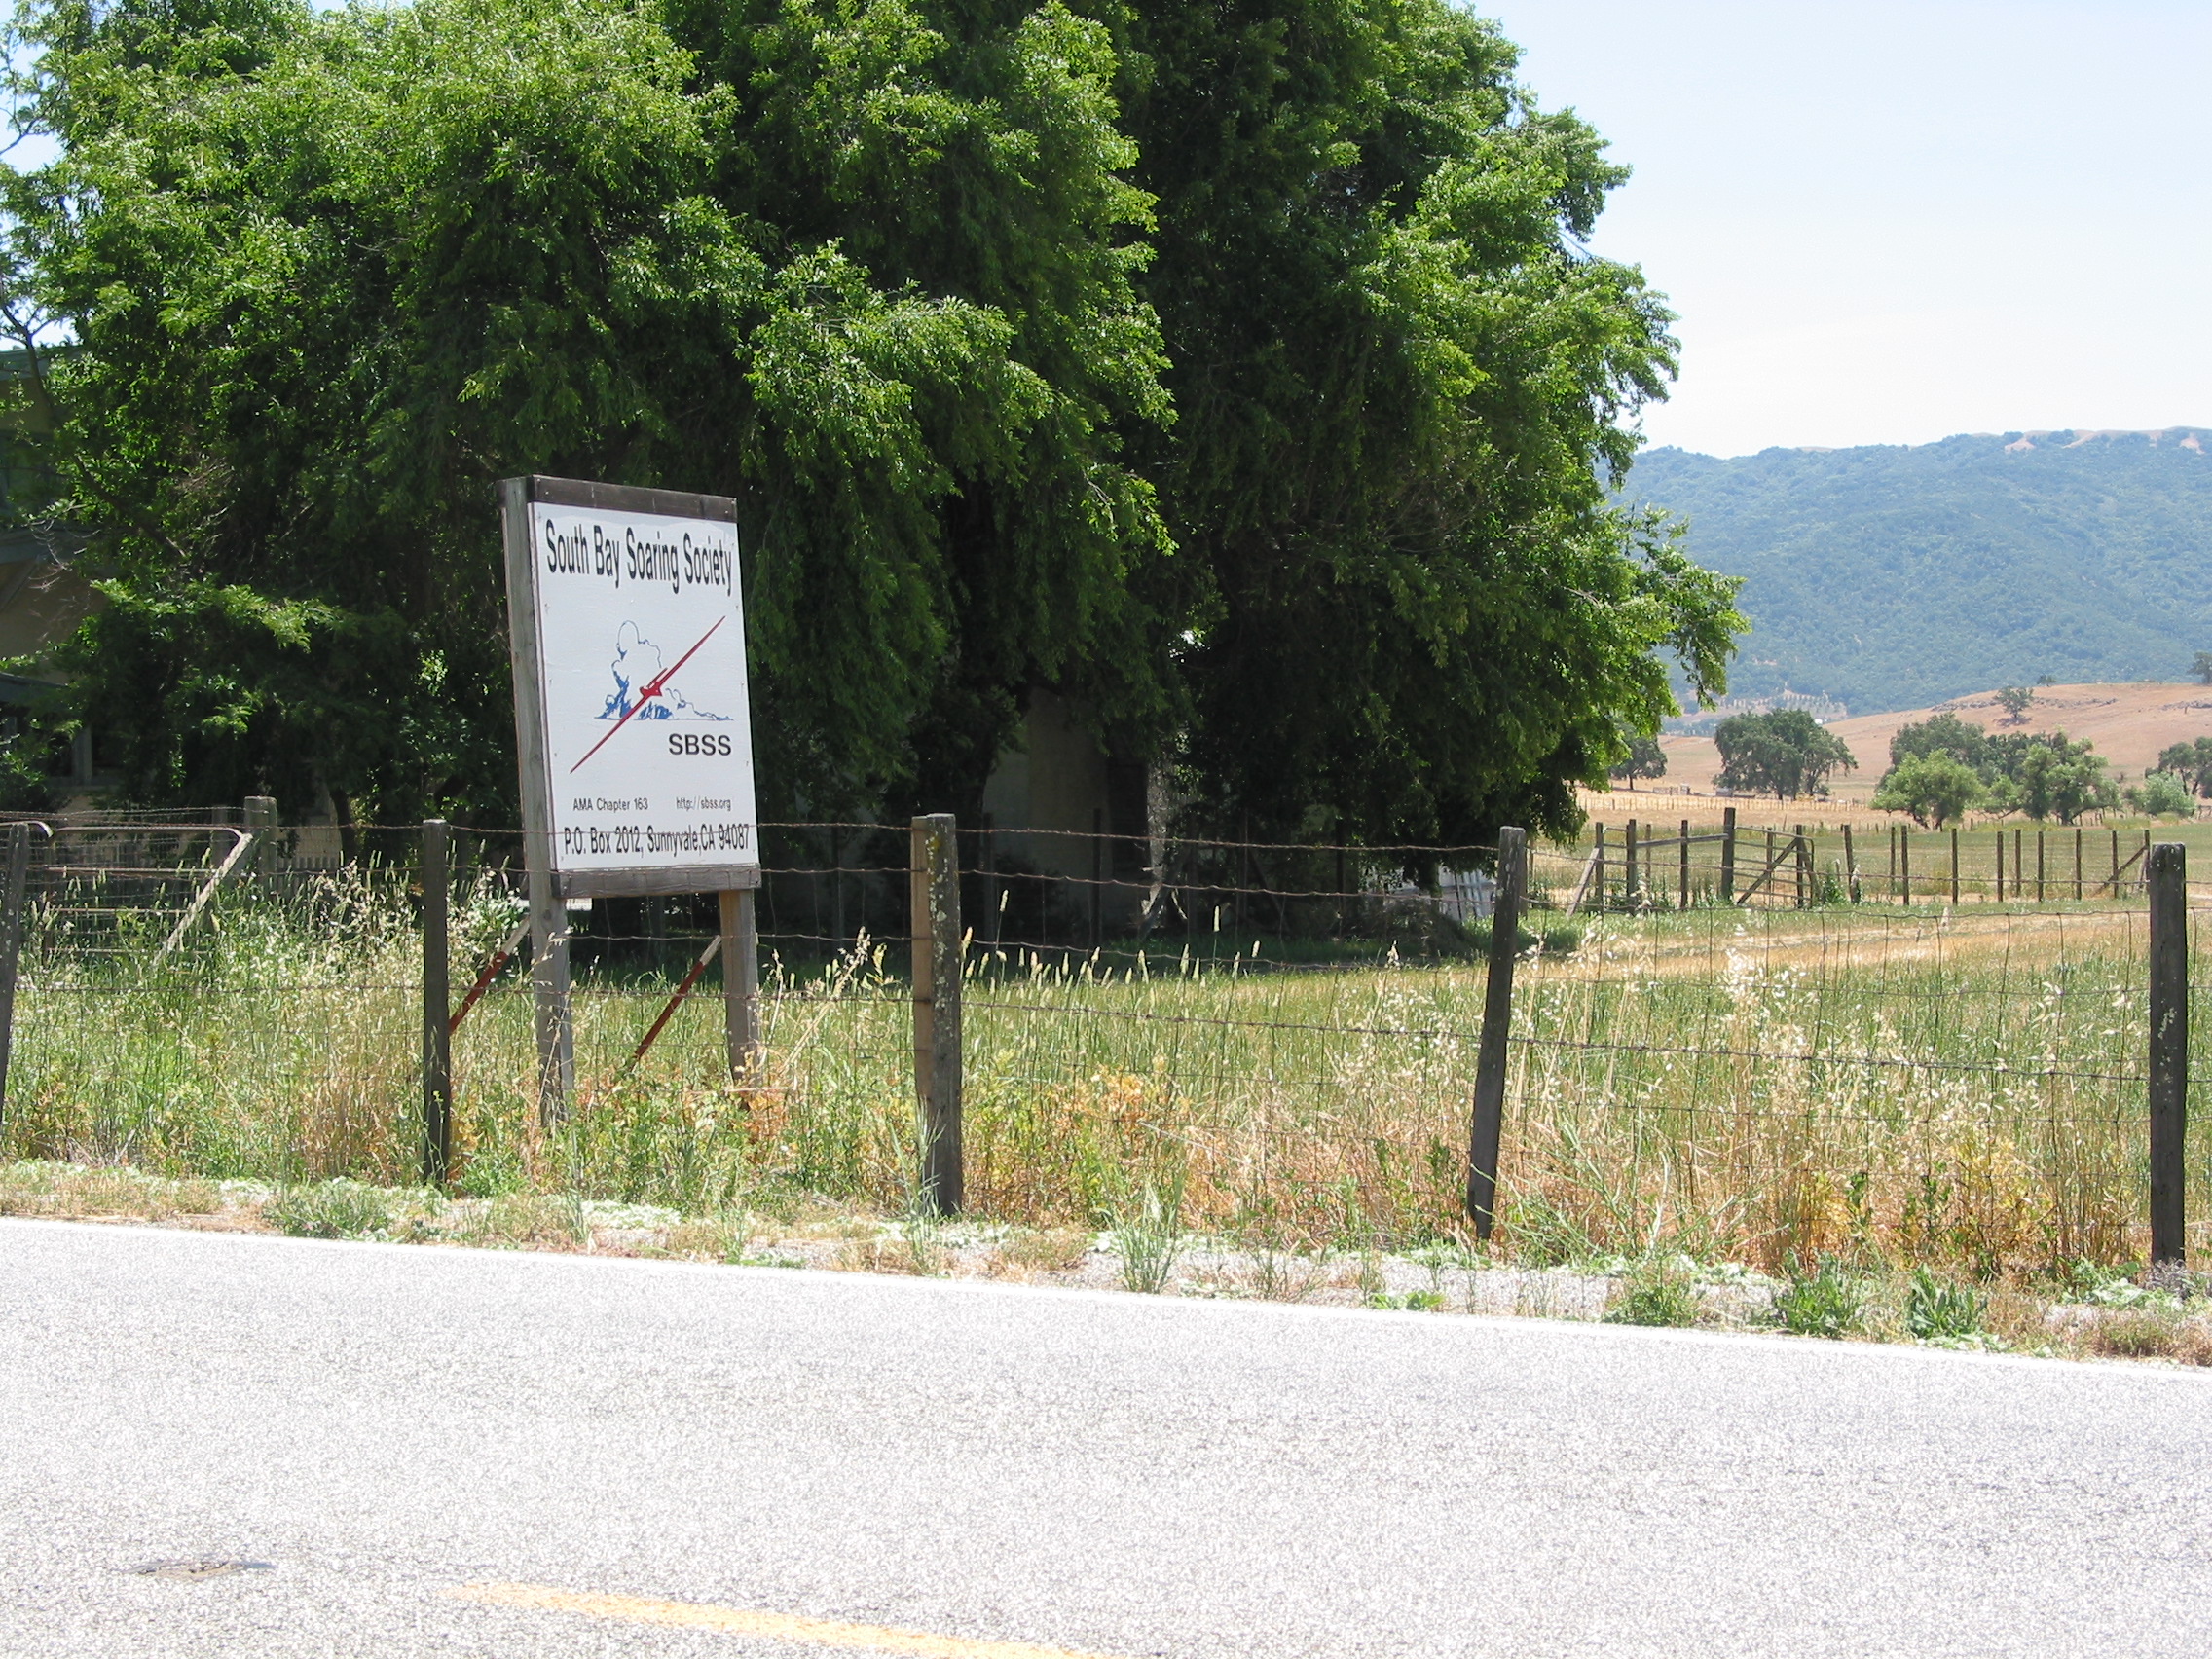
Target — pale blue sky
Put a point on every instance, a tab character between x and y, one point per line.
1886	223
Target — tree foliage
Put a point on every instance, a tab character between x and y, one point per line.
1935	789
1785	754
2192	762
982	308
1645	759
2044	775
2162	795
334	274
1399	377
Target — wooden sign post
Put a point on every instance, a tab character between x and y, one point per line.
633	726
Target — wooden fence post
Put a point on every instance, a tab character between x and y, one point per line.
2077	832
1632	886
13	900
1954	864
934	895
1598	870
1728	855
2040	837
1801	855
1684	899
1904	865
438	1006
1850	867
2167	880
740	918
1490	1057
2000	867
551	1018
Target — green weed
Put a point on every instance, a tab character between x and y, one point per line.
1937	1307
1829	1301
1656	1292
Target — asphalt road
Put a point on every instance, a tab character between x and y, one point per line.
444	1451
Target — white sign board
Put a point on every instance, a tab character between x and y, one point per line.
630	693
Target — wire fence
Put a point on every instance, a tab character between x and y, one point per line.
1277	1041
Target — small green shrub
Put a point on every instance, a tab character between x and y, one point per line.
334	1209
1826	1303
1935	1307
1656	1293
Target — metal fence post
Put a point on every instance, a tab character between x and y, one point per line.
12	900
2169	1046
437	1008
933	902
1491	1057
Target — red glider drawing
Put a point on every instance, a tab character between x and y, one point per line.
650	688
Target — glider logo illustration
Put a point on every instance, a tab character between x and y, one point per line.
642	686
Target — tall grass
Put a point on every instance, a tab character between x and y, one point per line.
1776	1087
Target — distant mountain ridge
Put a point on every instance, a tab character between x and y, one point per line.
1894	576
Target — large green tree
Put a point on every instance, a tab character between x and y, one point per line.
1401	381
334	274
1785	754
982	308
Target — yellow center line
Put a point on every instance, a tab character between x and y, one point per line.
746	1621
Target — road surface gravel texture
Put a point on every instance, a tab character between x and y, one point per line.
381	1427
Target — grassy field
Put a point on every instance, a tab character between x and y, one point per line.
1891	1085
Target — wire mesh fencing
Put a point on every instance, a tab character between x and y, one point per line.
1230	1033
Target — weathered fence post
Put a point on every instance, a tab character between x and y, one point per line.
1905	865
1685	899
260	821
1801	856
550	1017
437	1010
2000	867
2039	836
1598	869
934	894
1954	863
1632	889
741	980
2167	880
12	898
1728	855
1498	1024
2077	832
1850	867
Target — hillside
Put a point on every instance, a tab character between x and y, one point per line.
1895	577
2129	724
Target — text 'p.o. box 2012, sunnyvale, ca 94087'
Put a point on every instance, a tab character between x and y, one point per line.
627	623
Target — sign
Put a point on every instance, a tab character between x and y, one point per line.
628	632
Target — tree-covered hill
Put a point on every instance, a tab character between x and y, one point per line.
1894	576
